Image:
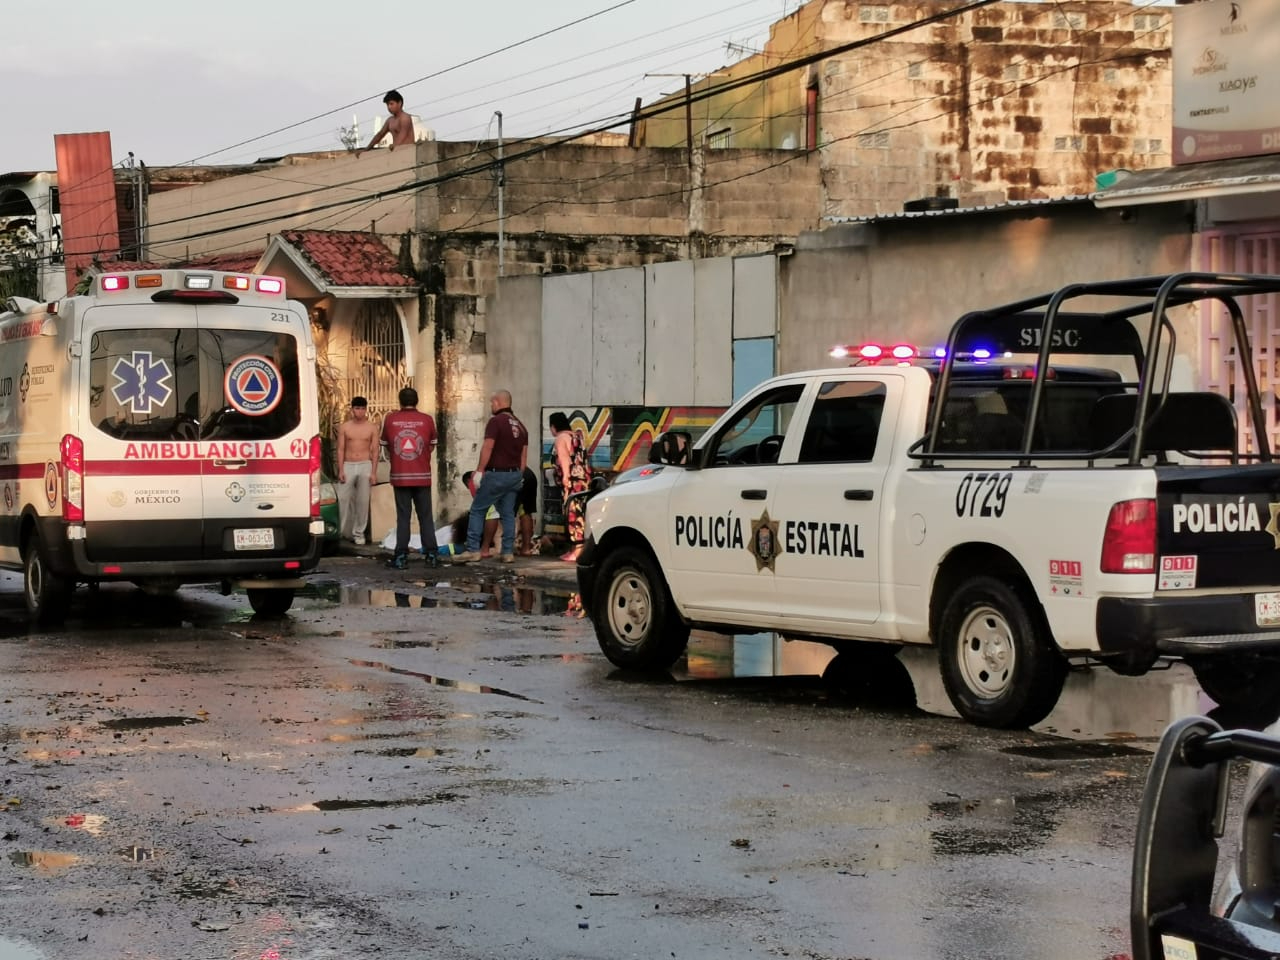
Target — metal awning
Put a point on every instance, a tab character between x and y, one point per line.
1194	181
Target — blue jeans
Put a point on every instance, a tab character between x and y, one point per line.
499	488
409	499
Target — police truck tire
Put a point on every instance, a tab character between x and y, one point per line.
635	618
273	602
999	666
45	592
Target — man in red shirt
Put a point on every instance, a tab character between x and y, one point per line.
499	474
410	439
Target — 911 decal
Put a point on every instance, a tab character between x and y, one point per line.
983	494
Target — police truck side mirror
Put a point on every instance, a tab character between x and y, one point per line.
672	448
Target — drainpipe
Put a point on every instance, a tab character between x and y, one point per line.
502	182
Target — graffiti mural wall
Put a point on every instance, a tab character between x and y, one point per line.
619	438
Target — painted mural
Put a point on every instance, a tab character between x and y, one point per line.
619	438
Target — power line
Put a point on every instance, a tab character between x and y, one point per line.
539	147
429	76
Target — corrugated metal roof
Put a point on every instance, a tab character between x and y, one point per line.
1194	181
1009	206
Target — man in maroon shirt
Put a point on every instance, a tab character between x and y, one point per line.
410	439
500	474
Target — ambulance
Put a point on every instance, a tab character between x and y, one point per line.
160	427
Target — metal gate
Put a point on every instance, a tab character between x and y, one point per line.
1257	252
377	367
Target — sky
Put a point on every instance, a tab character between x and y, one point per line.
230	81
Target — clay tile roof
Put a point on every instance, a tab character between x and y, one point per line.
348	258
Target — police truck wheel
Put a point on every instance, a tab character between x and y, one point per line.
272	602
999	666
45	592
635	618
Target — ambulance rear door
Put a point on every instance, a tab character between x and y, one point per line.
256	421
143	497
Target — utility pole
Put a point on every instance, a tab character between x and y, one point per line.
688	104
688	116
502	183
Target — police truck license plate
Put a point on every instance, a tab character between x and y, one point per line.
1266	608
258	538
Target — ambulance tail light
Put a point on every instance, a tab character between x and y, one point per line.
72	451
113	282
270	285
1129	543
315	477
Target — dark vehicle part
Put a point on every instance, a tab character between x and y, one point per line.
270	602
1182	816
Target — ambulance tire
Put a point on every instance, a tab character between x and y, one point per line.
45	592
635	619
273	602
999	665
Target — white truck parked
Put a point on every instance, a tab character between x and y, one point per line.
160	427
1038	494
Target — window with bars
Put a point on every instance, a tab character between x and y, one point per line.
1220	365
377	366
873	14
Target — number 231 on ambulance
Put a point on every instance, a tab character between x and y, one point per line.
161	428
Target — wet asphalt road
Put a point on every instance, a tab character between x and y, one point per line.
377	776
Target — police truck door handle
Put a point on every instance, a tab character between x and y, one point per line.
755	494
859	494
230	464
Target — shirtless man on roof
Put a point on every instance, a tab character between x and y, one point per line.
399	124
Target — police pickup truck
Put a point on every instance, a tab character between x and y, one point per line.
1020	513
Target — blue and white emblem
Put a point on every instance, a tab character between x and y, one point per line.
253	385
142	382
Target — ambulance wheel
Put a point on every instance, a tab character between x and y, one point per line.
272	602
635	618
45	592
999	665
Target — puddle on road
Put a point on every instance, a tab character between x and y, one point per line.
459	595
90	823
147	723
13	950
464	685
45	861
329	806
420	752
1096	704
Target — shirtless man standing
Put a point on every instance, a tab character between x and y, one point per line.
399	124
357	447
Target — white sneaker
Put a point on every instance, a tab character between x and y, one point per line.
359	541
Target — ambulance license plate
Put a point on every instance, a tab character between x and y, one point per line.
257	538
1266	609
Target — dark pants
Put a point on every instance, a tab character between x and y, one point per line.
409	499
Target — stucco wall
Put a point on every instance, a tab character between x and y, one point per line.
908	281
1009	102
242	212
